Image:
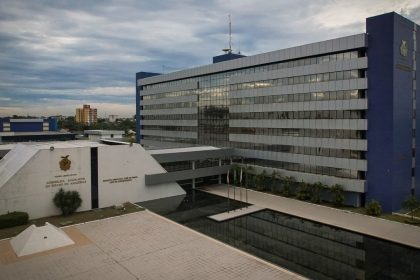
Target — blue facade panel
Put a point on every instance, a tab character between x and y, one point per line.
226	57
26	126
417	151
1	125
390	109
140	75
52	124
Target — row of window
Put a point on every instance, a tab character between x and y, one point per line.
312	151
306	168
177	166
169	94
219	78
170	117
326	114
170	105
300	132
303	79
169	139
300	97
170	128
222	92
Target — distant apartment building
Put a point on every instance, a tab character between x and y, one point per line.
112	118
86	115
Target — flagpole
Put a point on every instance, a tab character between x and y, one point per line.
234	188
240	187
227	179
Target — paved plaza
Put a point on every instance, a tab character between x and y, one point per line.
388	230
141	245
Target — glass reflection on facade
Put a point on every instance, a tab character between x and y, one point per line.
314	250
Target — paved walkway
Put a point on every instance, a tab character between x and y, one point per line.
142	245
393	231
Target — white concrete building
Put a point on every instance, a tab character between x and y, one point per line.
96	134
31	174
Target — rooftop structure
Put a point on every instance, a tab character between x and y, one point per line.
95	135
22	130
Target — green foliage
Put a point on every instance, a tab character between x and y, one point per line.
315	190
304	191
410	204
261	181
236	171
67	201
121	124
374	208
13	219
274	181
249	176
337	195
287	183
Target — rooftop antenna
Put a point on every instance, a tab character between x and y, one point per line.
229	50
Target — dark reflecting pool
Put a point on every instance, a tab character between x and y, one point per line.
311	249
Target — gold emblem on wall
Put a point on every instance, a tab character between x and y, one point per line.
65	163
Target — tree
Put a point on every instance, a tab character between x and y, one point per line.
260	181
316	189
337	195
248	175
304	192
411	203
374	208
67	201
288	182
236	171
273	181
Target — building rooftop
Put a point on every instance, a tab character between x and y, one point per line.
141	245
103	132
182	150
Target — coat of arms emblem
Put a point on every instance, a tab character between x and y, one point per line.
65	163
403	48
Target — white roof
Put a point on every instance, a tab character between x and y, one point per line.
103	132
13	161
182	150
62	144
39	239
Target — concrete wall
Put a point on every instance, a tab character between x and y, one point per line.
33	187
32	181
121	176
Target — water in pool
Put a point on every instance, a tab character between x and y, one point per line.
311	249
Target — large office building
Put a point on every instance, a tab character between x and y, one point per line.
341	111
86	115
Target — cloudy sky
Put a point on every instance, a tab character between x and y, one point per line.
57	55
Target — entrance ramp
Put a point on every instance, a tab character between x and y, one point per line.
221	217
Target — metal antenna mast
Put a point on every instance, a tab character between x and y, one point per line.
229	50
230	35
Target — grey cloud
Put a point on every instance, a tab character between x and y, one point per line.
60	50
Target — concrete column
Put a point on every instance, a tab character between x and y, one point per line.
193	168
220	175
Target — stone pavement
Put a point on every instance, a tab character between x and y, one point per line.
376	227
142	245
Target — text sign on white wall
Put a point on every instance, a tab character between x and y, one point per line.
119	180
65	180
